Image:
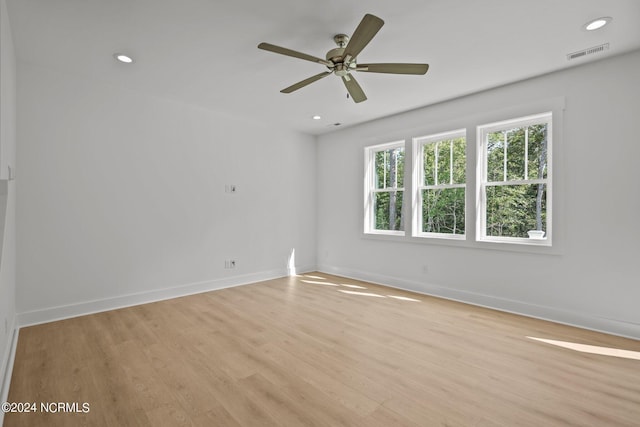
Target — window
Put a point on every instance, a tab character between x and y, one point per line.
384	188
507	164
440	183
514	181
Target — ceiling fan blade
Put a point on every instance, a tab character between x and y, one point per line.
288	52
367	29
354	88
394	68
305	82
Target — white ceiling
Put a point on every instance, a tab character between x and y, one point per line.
204	52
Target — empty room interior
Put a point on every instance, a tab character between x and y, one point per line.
340	213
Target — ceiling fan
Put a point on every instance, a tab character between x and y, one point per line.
342	60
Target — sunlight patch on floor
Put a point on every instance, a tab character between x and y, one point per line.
319	280
352	286
593	349
364	294
403	298
315	282
371	294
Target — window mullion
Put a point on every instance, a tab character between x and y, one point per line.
504	160
451	162
442	186
526	153
387	190
436	154
395	158
421	175
384	169
516	182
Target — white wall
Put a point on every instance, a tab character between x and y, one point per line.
8	82
122	194
7	194
592	279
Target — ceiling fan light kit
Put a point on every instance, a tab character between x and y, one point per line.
342	60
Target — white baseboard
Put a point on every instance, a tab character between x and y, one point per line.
7	369
90	307
581	320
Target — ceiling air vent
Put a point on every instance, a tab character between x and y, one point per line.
588	51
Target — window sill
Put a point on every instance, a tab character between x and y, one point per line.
516	241
467	242
385	233
442	236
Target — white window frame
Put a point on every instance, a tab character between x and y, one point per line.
482	183
370	187
418	182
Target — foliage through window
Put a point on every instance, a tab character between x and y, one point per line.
515	179
440	184
385	188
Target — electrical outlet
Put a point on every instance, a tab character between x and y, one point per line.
230	263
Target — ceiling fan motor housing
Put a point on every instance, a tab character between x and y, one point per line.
336	56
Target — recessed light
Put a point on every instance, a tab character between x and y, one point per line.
123	58
597	23
316	117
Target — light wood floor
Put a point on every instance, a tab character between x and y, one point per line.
303	351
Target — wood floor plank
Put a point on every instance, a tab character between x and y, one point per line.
316	376
322	350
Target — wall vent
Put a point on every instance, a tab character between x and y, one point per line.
588	51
